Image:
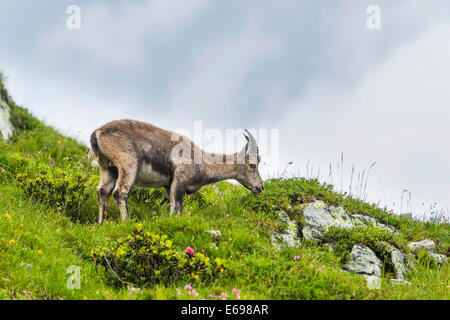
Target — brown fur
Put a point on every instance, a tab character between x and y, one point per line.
132	152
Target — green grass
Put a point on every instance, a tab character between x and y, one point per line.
52	241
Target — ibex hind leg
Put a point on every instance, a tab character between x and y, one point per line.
124	184
106	185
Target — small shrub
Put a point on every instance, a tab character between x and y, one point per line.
143	258
289	194
156	198
12	164
64	190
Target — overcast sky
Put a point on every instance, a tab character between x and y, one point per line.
311	69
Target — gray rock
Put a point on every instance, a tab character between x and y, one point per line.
399	262
6	128
439	258
373	282
288	237
318	217
364	220
425	244
362	260
400	282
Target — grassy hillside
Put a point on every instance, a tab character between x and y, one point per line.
48	214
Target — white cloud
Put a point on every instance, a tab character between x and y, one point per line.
218	72
396	116
115	35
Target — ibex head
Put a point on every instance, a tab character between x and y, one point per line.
247	168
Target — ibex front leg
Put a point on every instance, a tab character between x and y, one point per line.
177	191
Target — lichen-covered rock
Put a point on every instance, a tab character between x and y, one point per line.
425	244
399	262
288	236
400	282
373	282
6	128
439	258
318	217
362	260
364	220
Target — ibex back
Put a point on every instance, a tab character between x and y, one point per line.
136	153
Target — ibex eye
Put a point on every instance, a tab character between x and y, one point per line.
253	166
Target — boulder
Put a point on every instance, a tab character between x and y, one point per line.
318	217
399	262
373	282
362	260
439	258
288	236
425	244
400	282
364	220
429	246
6	128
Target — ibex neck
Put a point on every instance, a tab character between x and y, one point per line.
222	171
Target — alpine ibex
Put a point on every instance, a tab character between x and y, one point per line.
136	153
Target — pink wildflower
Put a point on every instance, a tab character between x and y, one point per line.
320	269
178	292
188	287
190	251
296	258
237	293
193	293
223	296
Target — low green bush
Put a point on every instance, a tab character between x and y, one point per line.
289	194
156	199
144	258
65	190
12	164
